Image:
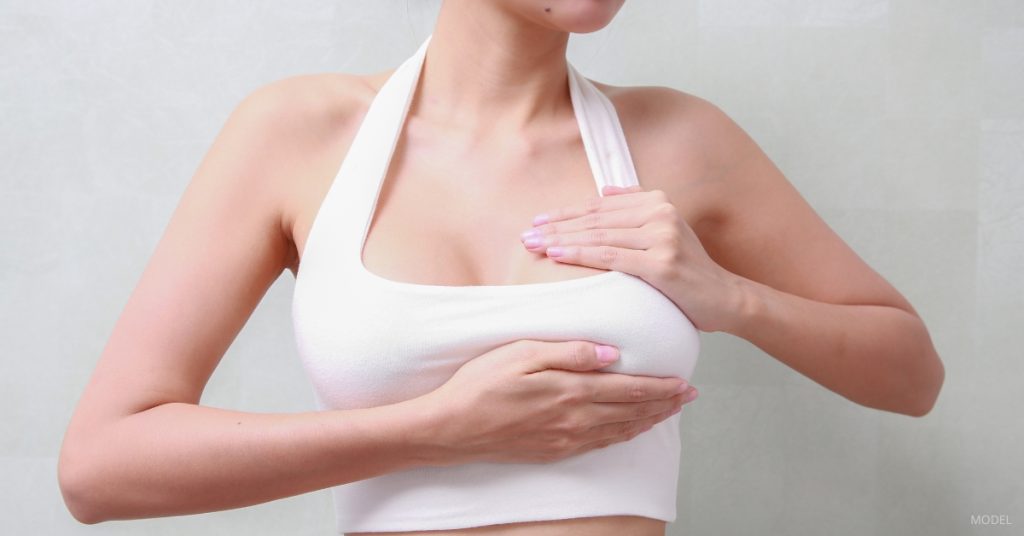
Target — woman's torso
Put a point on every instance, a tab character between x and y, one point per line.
437	178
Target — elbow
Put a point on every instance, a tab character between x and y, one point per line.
75	490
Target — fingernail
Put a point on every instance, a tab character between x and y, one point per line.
533	241
555	251
682	387
540	219
691	395
525	235
606	354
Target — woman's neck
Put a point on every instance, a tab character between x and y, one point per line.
488	69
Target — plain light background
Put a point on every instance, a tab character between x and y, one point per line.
901	122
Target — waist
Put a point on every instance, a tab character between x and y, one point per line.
615	525
637	479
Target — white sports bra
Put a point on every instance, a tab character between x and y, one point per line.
367	341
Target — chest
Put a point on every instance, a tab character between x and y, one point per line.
452	215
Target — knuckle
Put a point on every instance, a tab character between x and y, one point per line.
677	402
562	444
636	391
597	237
607	255
593	204
665	265
664	234
668	257
579	354
665	209
666	405
592	220
659	195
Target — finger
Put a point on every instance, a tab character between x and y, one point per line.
594	203
614	258
600	413
616	387
632	238
568	355
609	219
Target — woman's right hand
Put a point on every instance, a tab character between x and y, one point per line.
541	401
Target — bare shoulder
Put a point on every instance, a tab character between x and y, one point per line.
304	120
297	115
681	143
315	96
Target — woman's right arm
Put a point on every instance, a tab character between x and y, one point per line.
181	458
138	444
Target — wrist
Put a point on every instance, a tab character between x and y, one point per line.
429	430
747	302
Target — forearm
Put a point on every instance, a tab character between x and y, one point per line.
878	356
180	458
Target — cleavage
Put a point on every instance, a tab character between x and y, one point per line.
453	218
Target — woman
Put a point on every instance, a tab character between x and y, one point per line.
491	141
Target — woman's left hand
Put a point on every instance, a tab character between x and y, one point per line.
641	233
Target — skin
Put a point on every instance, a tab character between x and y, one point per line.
491	139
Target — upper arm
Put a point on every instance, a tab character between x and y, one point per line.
761	228
223	247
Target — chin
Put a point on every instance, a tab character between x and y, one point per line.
576	16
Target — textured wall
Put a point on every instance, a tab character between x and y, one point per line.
901	121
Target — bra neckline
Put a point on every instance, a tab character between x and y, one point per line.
405	79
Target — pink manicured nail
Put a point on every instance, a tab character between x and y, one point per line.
555	251
533	241
529	234
606	353
540	219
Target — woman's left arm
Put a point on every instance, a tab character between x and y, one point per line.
765	268
806	297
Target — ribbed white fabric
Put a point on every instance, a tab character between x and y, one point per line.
366	341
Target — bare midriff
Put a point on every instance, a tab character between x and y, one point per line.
590	526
